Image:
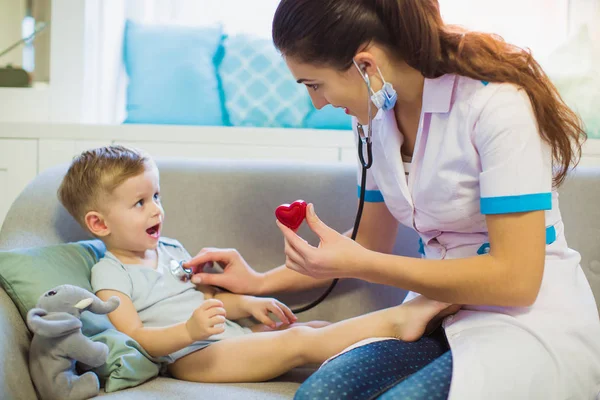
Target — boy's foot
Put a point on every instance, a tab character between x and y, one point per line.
419	315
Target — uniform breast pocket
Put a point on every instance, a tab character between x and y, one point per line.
449	195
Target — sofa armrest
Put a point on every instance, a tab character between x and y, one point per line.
15	381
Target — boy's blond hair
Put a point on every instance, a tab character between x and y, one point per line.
96	173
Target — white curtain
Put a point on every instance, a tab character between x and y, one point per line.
104	75
538	24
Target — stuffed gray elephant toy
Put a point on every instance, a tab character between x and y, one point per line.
58	343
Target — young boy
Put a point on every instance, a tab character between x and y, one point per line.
114	193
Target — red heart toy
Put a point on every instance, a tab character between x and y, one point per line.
291	215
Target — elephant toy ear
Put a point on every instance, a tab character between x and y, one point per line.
51	325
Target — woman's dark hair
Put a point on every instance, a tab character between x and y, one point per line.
331	32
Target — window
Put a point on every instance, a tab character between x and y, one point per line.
237	16
537	24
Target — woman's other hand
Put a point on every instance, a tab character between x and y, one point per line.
337	256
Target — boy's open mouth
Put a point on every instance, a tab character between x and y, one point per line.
154	231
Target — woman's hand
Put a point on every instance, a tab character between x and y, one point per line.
237	277
261	308
337	256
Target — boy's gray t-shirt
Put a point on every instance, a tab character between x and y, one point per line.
159	298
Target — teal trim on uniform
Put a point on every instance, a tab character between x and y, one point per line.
372	196
421	247
515	204
550	238
484	249
485	83
550	235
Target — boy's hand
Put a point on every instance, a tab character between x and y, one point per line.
207	320
260	308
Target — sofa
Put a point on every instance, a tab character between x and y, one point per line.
231	204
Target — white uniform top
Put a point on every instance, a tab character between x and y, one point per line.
478	151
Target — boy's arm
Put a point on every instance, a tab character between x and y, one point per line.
240	306
235	304
156	341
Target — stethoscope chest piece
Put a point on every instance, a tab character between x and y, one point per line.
179	271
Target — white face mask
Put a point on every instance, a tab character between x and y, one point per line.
385	98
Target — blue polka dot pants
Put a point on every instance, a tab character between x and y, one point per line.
387	370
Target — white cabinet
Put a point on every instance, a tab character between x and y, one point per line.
55	151
18	166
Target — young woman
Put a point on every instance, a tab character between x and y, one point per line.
469	146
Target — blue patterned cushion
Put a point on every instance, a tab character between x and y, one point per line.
258	88
172	74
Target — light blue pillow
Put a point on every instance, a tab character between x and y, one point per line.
172	74
258	88
328	117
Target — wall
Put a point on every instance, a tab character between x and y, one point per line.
61	100
27	149
11	14
234	14
537	24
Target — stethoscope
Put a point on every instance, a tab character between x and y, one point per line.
179	271
364	140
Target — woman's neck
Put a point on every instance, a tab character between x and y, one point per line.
408	83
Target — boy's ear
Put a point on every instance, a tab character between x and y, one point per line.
96	223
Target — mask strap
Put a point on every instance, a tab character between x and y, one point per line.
381	75
365	76
383	99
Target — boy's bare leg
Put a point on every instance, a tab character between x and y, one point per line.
263	356
281	326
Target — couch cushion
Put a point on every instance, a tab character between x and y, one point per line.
172	74
202	201
258	88
15	382
26	274
160	388
581	214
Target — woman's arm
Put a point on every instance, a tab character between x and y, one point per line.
156	341
510	275
377	232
